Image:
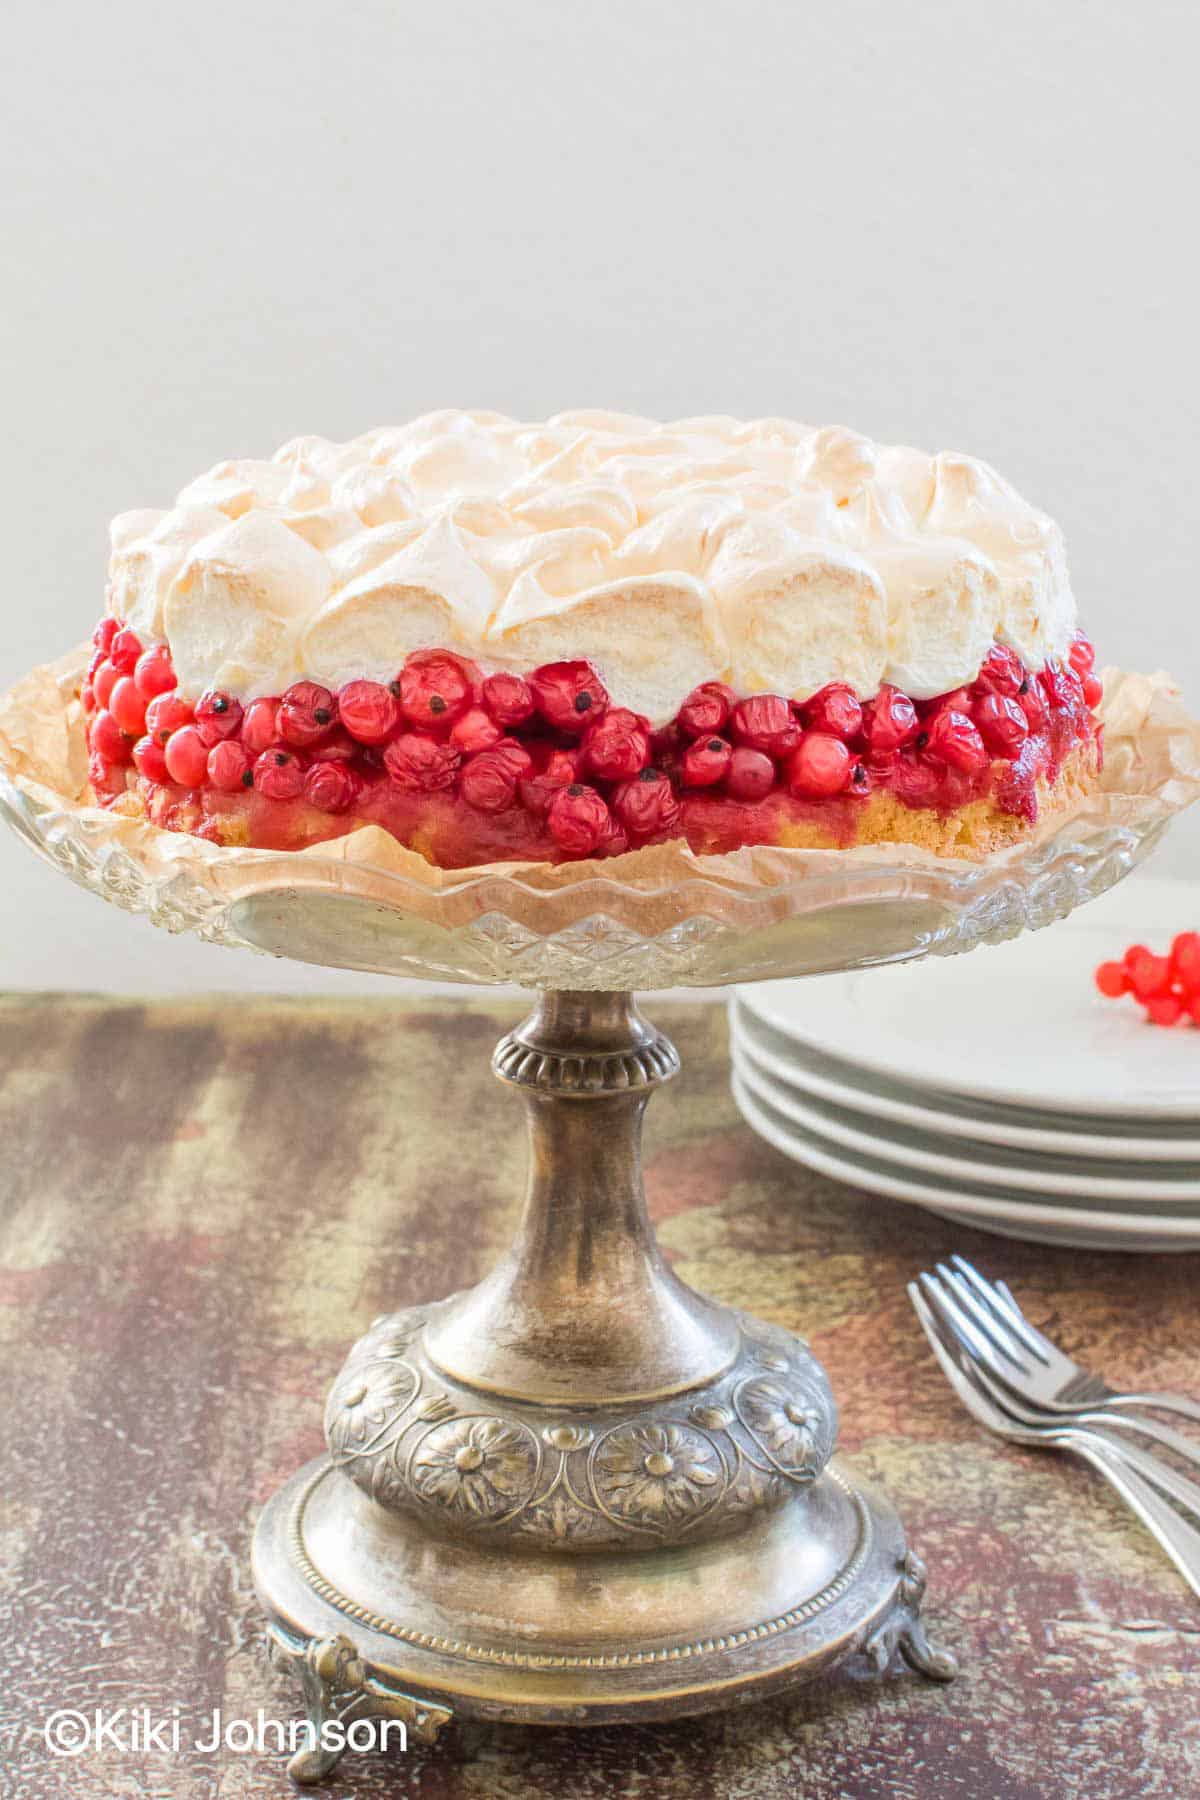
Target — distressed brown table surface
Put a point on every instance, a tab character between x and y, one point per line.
203	1202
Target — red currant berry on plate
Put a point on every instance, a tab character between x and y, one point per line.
148	760
558	770
766	722
706	709
1002	724
834	709
229	767
369	711
751	775
124	651
1149	975
647	806
889	721
707	761
106	739
618	746
420	764
1082	655
260	728
127	706
331	787
154	672
476	730
579	821
1164	1009
954	740
307	712
165	714
434	689
569	695
279	774
1002	672
819	768
187	757
218	716
1112	978
489	782
509	699
1185	960
104	634
104	680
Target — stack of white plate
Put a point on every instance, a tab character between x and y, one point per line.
997	1089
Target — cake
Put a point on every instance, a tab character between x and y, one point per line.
506	641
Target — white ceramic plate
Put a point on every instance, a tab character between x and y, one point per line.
1016	1024
1078	1226
803	1069
1020	1170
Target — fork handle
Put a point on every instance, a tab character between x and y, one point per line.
1187	1409
1112	1419
1180	1540
1153	1469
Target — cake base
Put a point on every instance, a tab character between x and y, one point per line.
384	1619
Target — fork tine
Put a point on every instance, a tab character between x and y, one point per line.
997	1334
1038	1343
961	1325
998	1297
949	1350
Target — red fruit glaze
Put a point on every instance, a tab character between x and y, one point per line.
331	787
618	746
1001	724
229	767
260	726
579	820
154	672
106	739
751	775
834	709
187	757
707	761
706	709
434	689
369	711
104	681
166	714
307	713
279	774
127	706
148	760
420	764
218	716
476	730
569	695
819	767
951	738
647	806
889	721
509	699
124	650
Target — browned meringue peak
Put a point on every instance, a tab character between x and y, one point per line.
764	552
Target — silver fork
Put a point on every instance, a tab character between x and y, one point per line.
1059	1383
995	1343
1108	1456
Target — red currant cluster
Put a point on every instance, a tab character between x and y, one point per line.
598	776
1167	986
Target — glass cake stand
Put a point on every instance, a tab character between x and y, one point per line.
580	1492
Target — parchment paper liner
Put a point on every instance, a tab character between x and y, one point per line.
1152	769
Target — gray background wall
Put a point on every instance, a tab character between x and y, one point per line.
966	226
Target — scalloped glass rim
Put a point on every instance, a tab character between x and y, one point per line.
598	933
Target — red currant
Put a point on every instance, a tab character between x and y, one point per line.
489	780
509	699
260	728
434	689
706	709
1082	655
578	819
569	695
1185	959
186	756
148	760
229	767
559	770
1112	979
889	721
331	787
751	775
165	714
951	738
476	730
104	681
306	712
154	672
420	764
1002	724
279	774
1164	1009
707	761
369	711
618	746
106	739
104	634
1032	700
1093	690
1002	672
819	767
834	709
218	716
766	722
124	651
127	706
647	805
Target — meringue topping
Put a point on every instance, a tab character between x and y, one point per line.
765	553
